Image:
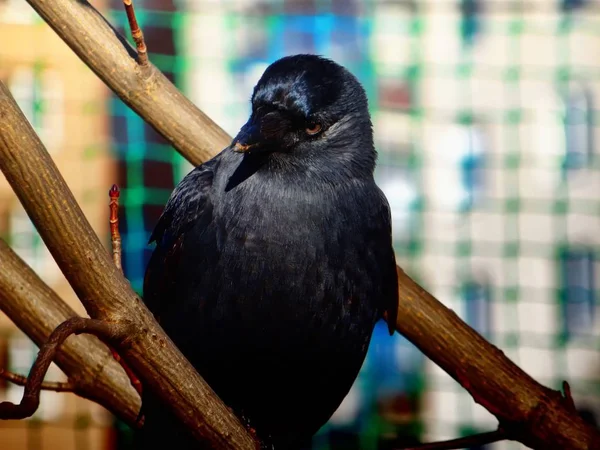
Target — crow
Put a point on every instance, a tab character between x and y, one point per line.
274	259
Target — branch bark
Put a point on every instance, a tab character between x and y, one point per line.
21	380
141	86
37	310
529	412
101	287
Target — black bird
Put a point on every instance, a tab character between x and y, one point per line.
274	259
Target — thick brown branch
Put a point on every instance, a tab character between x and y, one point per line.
108	332
528	412
144	88
21	380
136	33
101	287
37	310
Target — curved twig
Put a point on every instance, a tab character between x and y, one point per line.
37	310
107	332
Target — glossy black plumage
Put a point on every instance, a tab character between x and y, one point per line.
274	259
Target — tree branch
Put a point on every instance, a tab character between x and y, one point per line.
75	325
37	310
101	287
529	412
21	380
143	87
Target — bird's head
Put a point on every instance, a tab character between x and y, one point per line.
309	107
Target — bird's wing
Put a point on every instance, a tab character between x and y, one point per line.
387	259
188	204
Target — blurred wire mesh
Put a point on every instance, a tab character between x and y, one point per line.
486	126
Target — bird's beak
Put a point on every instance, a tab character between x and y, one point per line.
248	139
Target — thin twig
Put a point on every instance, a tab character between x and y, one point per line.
76	325
136	33
464	442
115	236
135	381
21	380
568	396
115	239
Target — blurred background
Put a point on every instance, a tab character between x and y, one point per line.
486	127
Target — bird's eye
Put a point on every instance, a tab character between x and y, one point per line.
313	128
